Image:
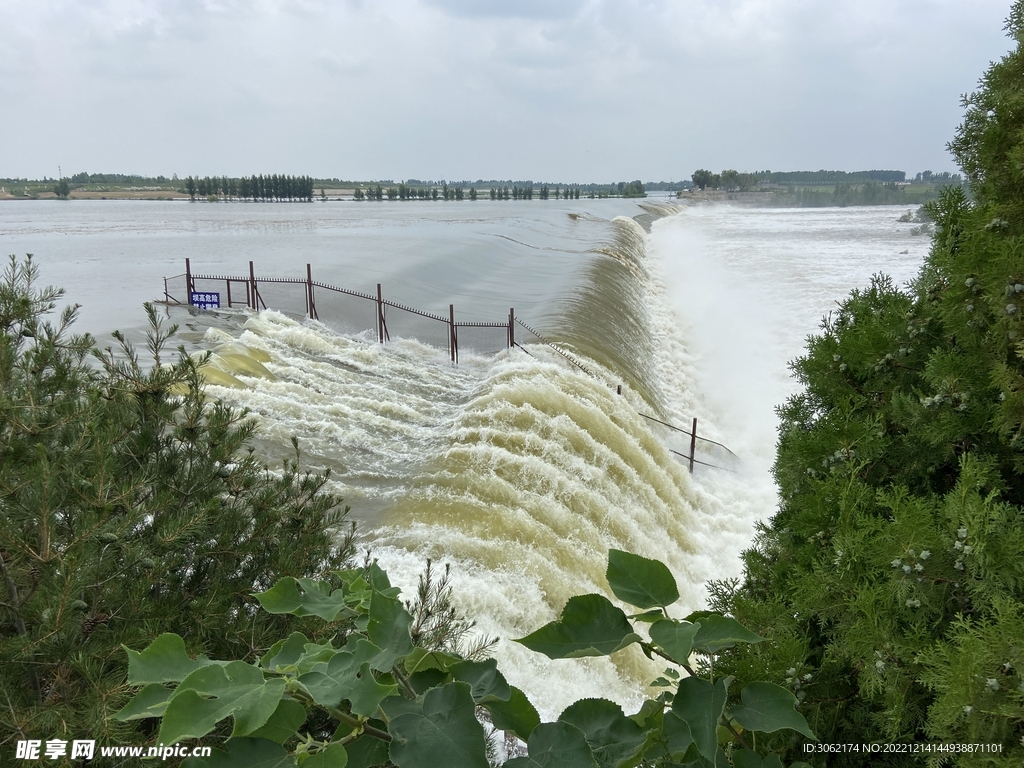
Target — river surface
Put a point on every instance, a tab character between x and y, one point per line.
519	468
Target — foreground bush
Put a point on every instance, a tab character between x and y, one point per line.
127	511
892	578
395	702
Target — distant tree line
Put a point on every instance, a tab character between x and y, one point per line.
945	177
829	177
118	178
272	187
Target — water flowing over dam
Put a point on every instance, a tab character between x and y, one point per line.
520	469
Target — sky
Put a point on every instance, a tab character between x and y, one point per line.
549	90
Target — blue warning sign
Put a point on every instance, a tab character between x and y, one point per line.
205	299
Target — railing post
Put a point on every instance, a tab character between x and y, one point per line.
693	443
167	296
511	327
252	287
453	343
380	315
188	280
227	284
309	289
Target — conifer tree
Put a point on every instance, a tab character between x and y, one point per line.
891	578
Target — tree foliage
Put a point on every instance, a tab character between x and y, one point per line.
394	699
891	579
130	506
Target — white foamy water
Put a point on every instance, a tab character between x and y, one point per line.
522	470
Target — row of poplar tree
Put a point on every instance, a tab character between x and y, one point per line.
271	187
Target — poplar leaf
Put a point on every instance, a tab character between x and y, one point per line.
589	626
675	638
212	693
244	753
388	629
700	704
348	676
556	745
614	739
283	724
768	707
719	632
151	701
640	581
335	756
517	715
486	682
445	733
165	660
305	597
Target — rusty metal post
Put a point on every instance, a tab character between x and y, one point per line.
511	327
252	287
309	298
693	443
188	280
380	315
453	344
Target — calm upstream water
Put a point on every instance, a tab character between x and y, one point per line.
518	469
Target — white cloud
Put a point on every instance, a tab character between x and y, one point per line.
574	90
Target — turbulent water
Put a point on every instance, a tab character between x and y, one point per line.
522	470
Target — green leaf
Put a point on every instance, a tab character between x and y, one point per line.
367	752
213	693
589	626
335	756
296	654
380	582
719	632
556	745
676	732
648	617
421	659
388	629
675	638
305	597
614	739
244	753
699	704
746	758
768	707
485	681
647	717
348	676
165	660
151	701
446	733
283	724
517	715
639	581
428	678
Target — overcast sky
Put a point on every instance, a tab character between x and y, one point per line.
555	90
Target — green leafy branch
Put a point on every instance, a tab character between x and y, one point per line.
399	703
